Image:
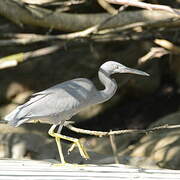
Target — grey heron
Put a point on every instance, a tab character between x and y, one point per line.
62	101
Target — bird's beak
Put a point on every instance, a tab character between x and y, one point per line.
132	71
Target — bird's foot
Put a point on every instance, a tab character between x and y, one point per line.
82	150
65	164
61	164
71	148
75	141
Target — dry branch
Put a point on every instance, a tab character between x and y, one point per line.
107	7
69	125
20	13
155	52
112	139
144	5
168	45
118	132
15	59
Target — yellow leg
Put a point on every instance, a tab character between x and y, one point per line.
60	150
51	133
75	141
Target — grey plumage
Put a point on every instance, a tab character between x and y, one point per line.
62	101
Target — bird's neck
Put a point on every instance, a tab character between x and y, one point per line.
109	84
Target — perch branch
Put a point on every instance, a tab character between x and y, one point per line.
127	131
69	125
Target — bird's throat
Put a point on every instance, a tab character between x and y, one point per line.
109	84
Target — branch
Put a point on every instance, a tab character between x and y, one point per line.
105	5
15	59
114	148
155	52
20	14
168	45
127	131
144	5
68	124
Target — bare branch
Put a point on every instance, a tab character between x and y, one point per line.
20	14
15	59
53	2
127	131
107	7
168	45
144	5
155	52
112	139
69	125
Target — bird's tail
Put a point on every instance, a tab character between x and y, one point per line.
16	117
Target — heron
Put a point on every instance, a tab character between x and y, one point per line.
59	103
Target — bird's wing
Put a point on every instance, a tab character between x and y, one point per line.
36	97
56	104
51	104
63	100
23	112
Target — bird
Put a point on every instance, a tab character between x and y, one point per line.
61	102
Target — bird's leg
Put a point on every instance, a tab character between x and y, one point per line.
75	141
51	133
58	142
51	130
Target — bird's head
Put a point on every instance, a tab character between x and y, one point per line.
112	67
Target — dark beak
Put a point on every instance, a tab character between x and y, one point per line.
133	71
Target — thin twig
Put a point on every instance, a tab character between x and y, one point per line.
126	131
68	124
114	148
144	5
105	5
14	59
33	38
